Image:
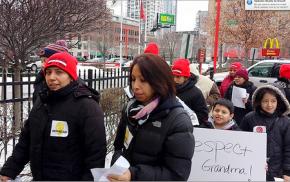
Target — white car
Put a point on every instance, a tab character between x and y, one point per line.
34	66
204	67
261	73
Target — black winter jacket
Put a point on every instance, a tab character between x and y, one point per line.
284	85
239	113
193	98
161	148
63	138
278	133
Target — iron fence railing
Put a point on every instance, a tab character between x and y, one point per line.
107	82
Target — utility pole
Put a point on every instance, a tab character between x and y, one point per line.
121	35
217	25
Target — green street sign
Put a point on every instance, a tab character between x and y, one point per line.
232	22
166	19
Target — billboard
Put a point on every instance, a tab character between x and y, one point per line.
267	4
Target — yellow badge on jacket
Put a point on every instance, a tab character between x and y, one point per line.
128	138
59	129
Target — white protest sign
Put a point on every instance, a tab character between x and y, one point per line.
224	155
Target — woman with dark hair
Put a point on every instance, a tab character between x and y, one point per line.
269	116
241	81
155	132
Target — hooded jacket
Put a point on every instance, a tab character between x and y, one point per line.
162	147
278	132
193	98
284	85
63	138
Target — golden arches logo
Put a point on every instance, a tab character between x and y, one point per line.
271	43
269	49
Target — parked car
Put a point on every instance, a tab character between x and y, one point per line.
263	72
96	60
204	67
34	66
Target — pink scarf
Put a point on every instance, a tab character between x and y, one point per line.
147	109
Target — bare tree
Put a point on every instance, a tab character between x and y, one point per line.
248	29
27	24
105	40
168	45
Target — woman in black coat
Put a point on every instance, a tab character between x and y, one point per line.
269	116
241	80
64	136
155	132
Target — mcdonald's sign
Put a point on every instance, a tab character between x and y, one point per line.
269	49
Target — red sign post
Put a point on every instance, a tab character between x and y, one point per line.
201	55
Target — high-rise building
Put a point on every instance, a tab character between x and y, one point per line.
151	9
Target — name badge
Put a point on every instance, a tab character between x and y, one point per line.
128	138
259	129
59	129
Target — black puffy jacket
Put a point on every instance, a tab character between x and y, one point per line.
193	98
161	148
63	138
278	132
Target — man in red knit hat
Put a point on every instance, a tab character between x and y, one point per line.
187	91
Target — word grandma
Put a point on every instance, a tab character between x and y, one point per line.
226	169
217	147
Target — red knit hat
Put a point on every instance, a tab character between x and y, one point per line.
285	71
152	48
181	67
64	61
236	65
242	73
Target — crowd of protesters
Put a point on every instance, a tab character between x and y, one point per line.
64	136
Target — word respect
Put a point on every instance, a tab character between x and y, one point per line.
217	147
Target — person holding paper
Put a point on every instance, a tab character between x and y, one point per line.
240	93
270	116
64	136
155	132
222	116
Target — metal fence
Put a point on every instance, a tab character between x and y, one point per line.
109	83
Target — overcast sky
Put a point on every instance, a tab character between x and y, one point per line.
186	12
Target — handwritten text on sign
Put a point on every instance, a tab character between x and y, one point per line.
228	156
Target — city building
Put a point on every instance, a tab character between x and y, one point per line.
106	41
